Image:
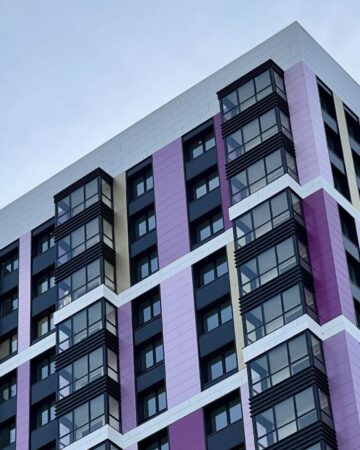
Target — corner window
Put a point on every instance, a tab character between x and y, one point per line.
9	303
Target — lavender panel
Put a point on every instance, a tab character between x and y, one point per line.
343	369
23	407
312	154
188	433
24	292
248	425
126	358
224	185
180	338
170	203
330	271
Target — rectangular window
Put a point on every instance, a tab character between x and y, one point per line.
44	413
224	363
43	282
267	216
141	184
9	303
262	173
145	223
216	316
8	387
8	346
147	309
44	324
159	441
9	263
43	367
206	229
224	414
8	433
86	322
204	185
147	265
252	92
212	269
44	242
152	402
150	355
278	311
200	144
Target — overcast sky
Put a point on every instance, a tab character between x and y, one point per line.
73	73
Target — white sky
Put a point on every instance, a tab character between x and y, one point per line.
73	73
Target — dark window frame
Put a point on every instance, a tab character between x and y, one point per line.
9	303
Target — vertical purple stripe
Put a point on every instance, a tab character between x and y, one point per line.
23	407
343	369
312	154
24	292
188	433
330	271
180	338
248	425
170	203
224	185
127	379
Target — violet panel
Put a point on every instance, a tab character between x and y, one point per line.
188	433
180	338
328	259
126	359
224	185
23	407
24	310
170	203
307	124
248	425
343	369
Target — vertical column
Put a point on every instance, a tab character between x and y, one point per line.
328	260
188	433
341	356
180	338
127	377
248	425
224	185
347	152
170	203
24	328
307	124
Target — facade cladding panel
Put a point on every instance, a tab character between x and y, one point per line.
87	362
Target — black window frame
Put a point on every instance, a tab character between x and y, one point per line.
208	265
220	356
205	222
9	428
151	347
225	404
44	279
215	310
146	259
12	338
8	386
144	177
200	141
144	218
45	406
160	439
9	303
146	302
10	260
152	393
44	363
204	180
48	316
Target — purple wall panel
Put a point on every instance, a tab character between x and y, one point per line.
224	185
24	292
343	368
248	425
127	379
23	407
180	340
332	284
188	433
312	155
170	203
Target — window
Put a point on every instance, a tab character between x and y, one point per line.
205	185
272	263
354	269
353	127
290	416
86	322
86	370
267	216
221	364
278	311
88	418
44	325
8	346
326	100
9	264
262	173
44	242
212	270
216	317
43	367
200	145
150	355
8	387
340	182
152	402
209	227
348	226
106	193
146	265
9	303
159	441
256	132
44	413
284	361
356	159
252	92
225	414
145	223
148	309
333	142
8	433
84	280
43	283
142	184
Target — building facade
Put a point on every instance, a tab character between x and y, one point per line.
194	283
